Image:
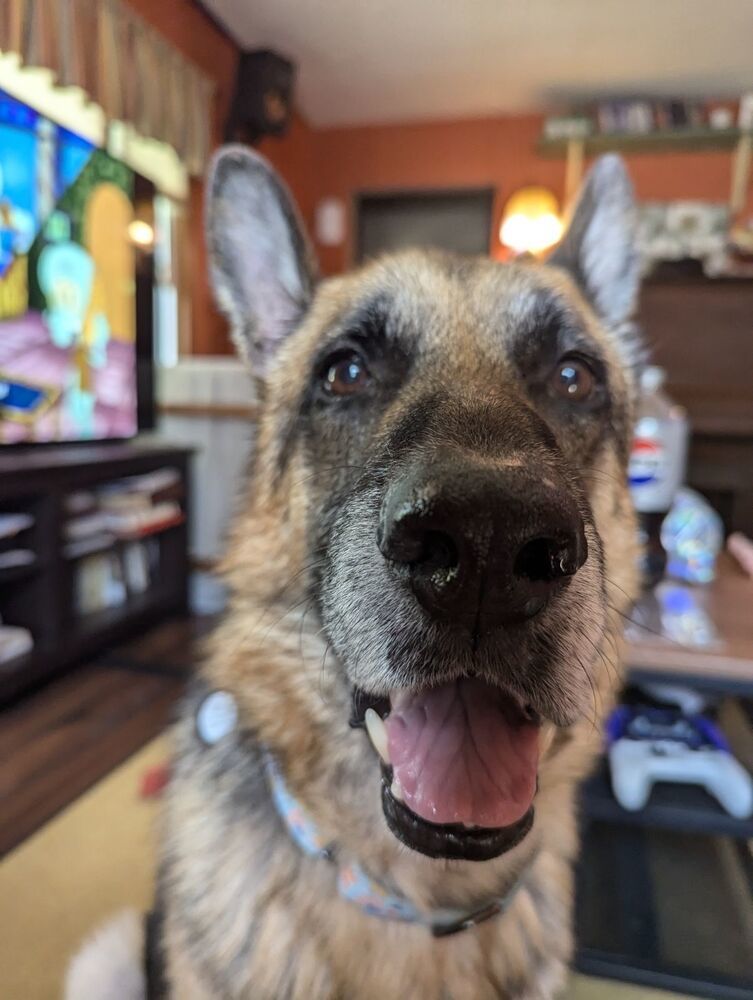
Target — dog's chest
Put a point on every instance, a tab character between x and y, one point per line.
300	941
248	915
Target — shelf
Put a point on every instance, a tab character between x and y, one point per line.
99	622
667	910
40	480
11	574
686	808
154	529
9	667
74	556
686	140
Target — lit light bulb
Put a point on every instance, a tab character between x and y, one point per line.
141	233
531	223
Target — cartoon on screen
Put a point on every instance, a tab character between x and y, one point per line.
67	299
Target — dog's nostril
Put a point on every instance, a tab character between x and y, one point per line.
438	552
546	560
422	551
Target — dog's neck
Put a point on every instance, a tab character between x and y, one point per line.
216	719
365	890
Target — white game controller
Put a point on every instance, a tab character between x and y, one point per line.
637	765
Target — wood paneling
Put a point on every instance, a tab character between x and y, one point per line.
701	332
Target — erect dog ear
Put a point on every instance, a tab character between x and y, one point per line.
599	248
262	267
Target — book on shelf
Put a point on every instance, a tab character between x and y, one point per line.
135	523
14	643
13	558
13	524
99	584
99	542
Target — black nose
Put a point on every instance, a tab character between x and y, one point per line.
482	547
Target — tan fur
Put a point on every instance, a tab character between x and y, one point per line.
246	912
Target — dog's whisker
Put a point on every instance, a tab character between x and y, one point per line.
325	471
594	473
293	607
641	625
596	713
612	583
599	651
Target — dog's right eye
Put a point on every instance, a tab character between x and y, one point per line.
345	374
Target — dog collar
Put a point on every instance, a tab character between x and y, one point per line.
353	882
216	718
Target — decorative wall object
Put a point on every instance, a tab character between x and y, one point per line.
677	230
330	224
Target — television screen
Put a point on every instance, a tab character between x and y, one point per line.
67	285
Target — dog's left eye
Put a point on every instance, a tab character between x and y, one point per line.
573	380
345	374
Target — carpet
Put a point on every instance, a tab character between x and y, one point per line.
95	858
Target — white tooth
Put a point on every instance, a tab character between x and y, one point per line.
397	792
377	731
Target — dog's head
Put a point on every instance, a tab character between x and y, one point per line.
440	487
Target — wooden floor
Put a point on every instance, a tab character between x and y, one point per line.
63	738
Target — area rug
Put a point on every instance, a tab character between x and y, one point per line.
98	857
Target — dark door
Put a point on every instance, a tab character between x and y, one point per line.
449	220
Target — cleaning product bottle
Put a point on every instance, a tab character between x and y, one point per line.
656	470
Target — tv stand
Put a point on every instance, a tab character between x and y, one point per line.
44	595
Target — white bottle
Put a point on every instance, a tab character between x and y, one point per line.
658	460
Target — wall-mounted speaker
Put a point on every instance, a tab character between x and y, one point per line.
263	97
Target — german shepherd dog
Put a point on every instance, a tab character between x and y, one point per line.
423	635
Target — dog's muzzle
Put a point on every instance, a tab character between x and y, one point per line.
481	546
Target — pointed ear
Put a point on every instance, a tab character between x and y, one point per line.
599	248
261	264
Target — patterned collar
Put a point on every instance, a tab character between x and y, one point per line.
216	719
355	885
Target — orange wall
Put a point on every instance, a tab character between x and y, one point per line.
486	152
295	158
498	152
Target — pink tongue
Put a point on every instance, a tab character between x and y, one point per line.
461	756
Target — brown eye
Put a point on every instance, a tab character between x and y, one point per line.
346	375
573	380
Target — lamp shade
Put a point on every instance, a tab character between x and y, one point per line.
531	222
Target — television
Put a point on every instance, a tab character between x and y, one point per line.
75	288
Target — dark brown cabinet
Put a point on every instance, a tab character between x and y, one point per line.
44	594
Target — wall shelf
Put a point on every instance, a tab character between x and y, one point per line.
685	140
11	574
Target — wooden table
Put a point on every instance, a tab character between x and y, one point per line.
725	665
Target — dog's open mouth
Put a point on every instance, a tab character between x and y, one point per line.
459	767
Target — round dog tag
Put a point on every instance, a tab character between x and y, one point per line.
216	716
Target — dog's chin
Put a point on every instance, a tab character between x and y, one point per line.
459	766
